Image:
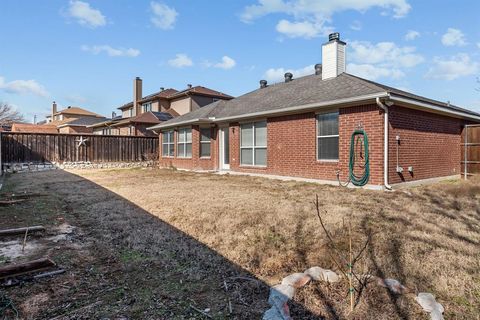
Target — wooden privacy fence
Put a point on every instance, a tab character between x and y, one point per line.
471	150
18	147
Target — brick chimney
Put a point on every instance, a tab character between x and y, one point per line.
137	94
54	110
333	57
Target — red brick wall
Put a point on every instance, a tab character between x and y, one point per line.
74	129
194	163
428	142
292	145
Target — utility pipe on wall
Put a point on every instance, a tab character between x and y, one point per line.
385	143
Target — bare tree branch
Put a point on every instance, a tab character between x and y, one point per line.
8	114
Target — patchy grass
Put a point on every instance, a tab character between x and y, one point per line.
170	239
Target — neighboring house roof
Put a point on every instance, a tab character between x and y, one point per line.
106	122
301	94
83	122
150	117
160	94
201	91
78	111
170	94
34	128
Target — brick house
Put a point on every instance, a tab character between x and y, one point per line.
69	120
145	111
303	127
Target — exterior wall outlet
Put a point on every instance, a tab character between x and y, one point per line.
410	169
399	169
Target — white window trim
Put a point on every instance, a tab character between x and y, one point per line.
253	146
327	136
145	105
170	141
185	143
205	142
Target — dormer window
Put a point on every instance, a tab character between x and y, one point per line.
146	107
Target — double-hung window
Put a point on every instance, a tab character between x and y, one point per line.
205	145
168	146
253	144
184	143
147	107
327	136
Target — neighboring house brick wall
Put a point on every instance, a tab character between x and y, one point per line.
75	129
429	142
141	130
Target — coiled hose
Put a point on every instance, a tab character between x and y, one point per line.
358	147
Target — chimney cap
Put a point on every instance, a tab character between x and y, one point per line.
334	36
288	77
263	83
138	78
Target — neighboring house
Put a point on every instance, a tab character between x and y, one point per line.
132	126
80	125
68	114
302	127
159	106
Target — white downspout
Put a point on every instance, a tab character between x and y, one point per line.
385	144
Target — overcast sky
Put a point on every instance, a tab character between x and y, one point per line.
86	53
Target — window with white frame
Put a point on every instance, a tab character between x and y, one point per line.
146	107
184	143
253	144
130	112
168	146
205	143
327	136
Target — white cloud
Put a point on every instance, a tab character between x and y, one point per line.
412	35
86	15
311	18
387	54
372	72
457	66
227	63
304	29
181	60
112	52
276	75
23	87
164	17
454	37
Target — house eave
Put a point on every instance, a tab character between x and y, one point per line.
420	105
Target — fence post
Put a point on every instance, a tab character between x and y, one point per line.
465	160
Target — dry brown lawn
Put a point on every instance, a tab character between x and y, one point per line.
426	237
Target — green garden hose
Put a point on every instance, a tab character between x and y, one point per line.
358	147
359	142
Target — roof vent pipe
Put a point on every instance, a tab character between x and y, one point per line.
288	77
162	88
318	69
189	86
263	84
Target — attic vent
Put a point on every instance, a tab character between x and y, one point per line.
318	69
162	88
263	84
288	77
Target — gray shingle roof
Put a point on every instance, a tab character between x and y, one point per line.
306	90
85	121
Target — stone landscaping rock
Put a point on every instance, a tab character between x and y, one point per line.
274	314
319	274
297	280
280	294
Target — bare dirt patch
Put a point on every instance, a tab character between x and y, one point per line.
156	242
